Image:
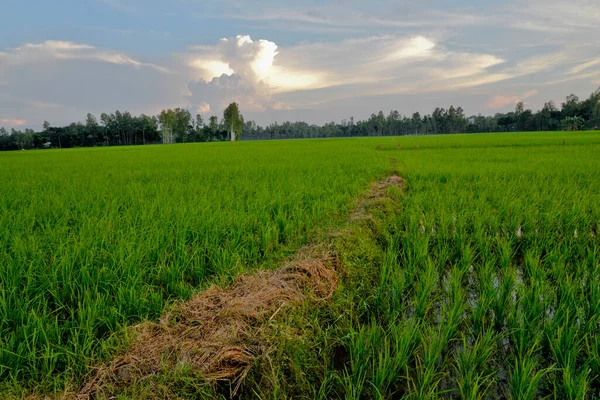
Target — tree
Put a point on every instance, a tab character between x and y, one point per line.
590	110
574	123
549	106
197	130
175	124
199	122
213	123
91	125
439	120
520	108
90	120
250	129
46	126
416	123
549	117
393	122
233	121
148	127
455	120
571	106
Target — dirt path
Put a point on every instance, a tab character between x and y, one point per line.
218	333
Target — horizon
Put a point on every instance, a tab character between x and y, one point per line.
305	61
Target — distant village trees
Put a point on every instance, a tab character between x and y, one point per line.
178	126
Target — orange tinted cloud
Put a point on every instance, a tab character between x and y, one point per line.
500	101
12	122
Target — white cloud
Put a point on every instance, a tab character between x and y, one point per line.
543	16
418	46
253	60
587	76
581	67
61	81
339	17
381	60
220	91
262	76
63	50
237	69
254	73
204	108
209	69
541	63
563	15
384	65
454	65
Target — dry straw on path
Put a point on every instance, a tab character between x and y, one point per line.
218	332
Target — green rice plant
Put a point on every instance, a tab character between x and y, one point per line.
474	375
361	347
575	385
592	350
455	304
482	312
503	304
392	287
565	339
391	368
526	376
430	365
424	290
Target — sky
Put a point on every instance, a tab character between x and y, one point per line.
315	61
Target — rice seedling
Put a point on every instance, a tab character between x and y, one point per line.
474	374
492	263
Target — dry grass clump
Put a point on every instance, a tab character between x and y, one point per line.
215	332
376	195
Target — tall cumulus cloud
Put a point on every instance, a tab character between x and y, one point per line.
244	66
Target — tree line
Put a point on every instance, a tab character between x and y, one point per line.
179	126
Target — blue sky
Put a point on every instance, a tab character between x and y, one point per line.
297	60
